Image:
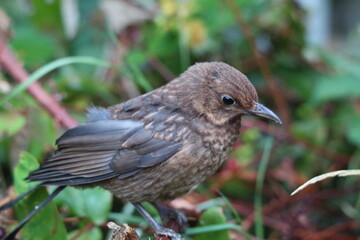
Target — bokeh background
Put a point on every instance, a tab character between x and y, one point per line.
302	56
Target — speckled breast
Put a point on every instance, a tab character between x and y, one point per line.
202	154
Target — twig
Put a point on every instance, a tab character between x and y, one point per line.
262	63
122	232
333	232
15	69
161	69
72	219
86	228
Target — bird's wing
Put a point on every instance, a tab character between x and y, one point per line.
101	150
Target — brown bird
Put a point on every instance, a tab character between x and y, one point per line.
157	146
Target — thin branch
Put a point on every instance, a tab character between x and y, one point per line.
86	228
15	69
165	72
333	232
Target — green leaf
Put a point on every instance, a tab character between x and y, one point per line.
33	47
125	218
11	123
47	223
212	228
259	228
313	129
94	203
47	14
237	189
217	202
92	234
211	218
27	163
353	131
42	132
336	87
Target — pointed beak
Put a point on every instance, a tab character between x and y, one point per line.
262	111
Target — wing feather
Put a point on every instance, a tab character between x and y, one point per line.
103	149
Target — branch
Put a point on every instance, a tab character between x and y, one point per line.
156	64
15	69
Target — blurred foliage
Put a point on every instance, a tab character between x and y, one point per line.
213	216
47	223
320	86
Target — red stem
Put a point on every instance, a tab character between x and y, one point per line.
15	69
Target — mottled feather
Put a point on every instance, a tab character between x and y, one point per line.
103	149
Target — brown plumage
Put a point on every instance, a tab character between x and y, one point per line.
160	145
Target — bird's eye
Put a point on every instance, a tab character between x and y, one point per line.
227	100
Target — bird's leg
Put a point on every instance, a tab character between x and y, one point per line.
167	215
159	230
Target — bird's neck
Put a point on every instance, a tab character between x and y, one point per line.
225	134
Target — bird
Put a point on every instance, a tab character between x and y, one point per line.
157	146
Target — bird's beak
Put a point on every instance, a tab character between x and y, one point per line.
262	111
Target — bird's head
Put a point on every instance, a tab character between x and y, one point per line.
221	93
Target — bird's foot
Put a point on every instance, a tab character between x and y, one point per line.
168	215
163	231
159	230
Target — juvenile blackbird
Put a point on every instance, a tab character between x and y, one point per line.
157	146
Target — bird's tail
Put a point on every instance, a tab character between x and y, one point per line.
11	235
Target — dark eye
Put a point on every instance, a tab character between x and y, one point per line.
227	100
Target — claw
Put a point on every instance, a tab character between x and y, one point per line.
167	232
167	215
159	230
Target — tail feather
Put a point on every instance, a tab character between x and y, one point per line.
18	198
